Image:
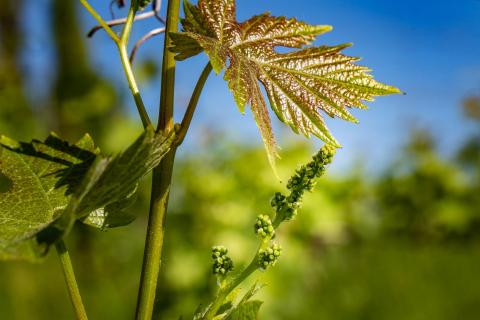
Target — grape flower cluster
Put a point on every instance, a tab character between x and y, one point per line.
264	227
222	263
303	180
269	256
285	207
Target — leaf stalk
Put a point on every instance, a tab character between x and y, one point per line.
187	118
70	280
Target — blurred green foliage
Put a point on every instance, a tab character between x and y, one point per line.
403	244
345	257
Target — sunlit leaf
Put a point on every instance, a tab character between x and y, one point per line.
299	84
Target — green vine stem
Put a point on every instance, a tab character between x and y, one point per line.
99	19
127	67
161	178
72	286
187	119
122	44
230	286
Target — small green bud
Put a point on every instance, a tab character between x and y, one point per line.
222	264
263	227
326	153
303	180
294	197
294	182
290	213
278	201
268	257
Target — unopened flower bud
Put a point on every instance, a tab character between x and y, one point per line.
222	264
268	257
278	201
263	227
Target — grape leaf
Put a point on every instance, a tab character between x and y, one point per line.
112	215
111	182
41	176
45	186
299	84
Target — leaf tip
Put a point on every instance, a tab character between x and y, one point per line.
272	157
324	28
395	90
332	141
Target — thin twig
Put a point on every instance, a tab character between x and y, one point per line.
120	21
142	40
122	43
122	47
156	7
99	19
115	22
110	8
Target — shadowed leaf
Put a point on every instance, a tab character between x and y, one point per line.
45	186
111	182
42	176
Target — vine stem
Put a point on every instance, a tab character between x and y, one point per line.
72	286
229	287
122	44
161	178
187	118
99	19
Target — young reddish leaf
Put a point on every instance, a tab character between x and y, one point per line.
298	84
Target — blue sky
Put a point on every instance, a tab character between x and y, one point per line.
429	49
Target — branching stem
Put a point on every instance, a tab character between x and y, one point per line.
142	40
122	44
99	19
115	22
70	280
230	286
